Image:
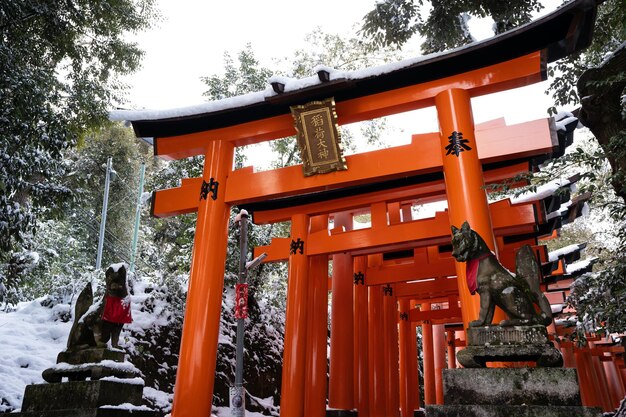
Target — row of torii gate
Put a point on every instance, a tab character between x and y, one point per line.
389	277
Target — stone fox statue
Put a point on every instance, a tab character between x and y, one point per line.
515	294
95	324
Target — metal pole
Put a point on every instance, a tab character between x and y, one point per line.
133	251
237	393
242	279
103	218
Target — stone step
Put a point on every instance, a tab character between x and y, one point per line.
511	386
80	395
510	411
90	412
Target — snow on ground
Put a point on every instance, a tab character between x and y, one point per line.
225	412
30	340
32	336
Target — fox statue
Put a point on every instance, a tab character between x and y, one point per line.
516	294
96	324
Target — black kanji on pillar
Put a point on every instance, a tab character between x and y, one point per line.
359	277
387	290
457	144
404	316
297	245
209	187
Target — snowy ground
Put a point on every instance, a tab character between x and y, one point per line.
32	336
30	339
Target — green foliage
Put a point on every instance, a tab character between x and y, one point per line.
395	22
59	63
237	80
118	143
339	52
609	33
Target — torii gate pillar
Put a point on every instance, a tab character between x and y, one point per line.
198	348
463	175
294	353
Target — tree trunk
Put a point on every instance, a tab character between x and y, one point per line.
603	111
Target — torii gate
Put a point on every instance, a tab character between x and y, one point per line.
447	81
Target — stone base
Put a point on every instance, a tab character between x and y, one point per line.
478	356
509	344
511	392
93	371
80	395
509	411
83	399
511	386
93	355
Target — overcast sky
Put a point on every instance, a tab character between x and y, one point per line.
193	35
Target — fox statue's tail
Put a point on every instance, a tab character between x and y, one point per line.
527	268
77	335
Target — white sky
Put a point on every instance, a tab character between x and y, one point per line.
191	40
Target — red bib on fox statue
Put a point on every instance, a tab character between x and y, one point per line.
471	270
117	310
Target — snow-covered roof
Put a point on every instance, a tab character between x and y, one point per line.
566	250
580	266
542	191
574	21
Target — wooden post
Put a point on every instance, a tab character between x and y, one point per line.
430	396
317	329
450	341
341	391
439	359
614	384
294	354
375	346
567	351
413	354
587	389
467	200
193	395
406	387
599	380
361	337
392	376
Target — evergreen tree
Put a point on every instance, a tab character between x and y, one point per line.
59	68
395	22
595	78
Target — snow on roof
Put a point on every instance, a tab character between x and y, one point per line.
566	250
557	308
291	84
562	210
542	191
580	265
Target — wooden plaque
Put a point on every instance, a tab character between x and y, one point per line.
318	137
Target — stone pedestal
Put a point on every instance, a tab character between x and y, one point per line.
511	392
108	398
93	382
509	344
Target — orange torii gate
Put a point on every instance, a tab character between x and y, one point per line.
446	81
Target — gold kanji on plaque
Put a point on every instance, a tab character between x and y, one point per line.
318	137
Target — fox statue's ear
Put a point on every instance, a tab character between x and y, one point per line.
454	229
465	226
